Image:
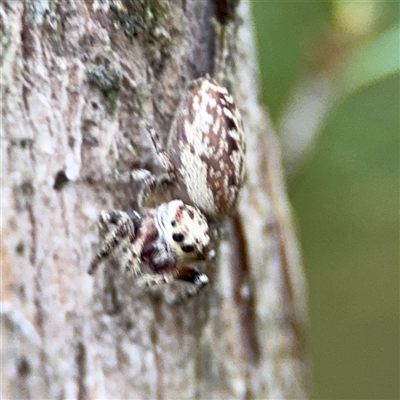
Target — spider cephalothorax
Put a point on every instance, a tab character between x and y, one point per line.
165	238
183	230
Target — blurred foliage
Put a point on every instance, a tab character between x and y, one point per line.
374	60
346	195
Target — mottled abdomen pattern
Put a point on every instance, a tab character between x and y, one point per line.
207	148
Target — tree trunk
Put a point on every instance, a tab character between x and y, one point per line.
79	81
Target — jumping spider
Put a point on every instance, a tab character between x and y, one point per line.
204	164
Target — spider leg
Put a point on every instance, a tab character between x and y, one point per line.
196	279
133	248
118	218
148	182
150	281
162	155
131	261
125	227
144	180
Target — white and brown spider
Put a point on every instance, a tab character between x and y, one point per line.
204	165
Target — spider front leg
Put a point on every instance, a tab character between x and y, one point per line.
131	260
119	226
196	279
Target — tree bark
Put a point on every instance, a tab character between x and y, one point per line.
79	81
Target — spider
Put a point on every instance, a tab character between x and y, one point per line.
204	163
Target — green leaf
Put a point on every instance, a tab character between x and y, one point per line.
372	61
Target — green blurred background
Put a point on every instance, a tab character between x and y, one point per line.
345	188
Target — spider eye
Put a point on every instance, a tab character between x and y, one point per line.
187	248
178	237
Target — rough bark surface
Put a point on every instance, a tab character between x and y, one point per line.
79	80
